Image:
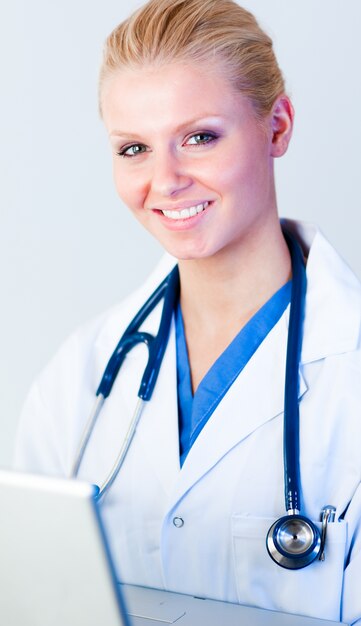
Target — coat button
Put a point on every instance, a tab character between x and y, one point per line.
178	522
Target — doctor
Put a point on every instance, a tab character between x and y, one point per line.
195	107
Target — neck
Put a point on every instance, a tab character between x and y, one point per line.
229	288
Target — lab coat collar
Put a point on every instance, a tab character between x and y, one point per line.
333	298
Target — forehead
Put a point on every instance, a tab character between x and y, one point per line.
168	94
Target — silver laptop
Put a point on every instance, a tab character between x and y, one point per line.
56	568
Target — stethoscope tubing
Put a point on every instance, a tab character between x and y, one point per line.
291	446
128	340
294	541
169	290
157	351
124	449
99	401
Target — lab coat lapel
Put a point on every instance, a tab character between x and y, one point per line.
256	396
333	302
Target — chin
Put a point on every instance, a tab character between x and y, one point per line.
184	253
186	247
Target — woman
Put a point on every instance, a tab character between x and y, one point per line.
196	111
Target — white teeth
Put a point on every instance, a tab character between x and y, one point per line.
184	214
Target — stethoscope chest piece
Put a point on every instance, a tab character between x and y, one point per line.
293	541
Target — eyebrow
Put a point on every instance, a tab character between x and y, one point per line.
207	118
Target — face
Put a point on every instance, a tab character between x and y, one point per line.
190	159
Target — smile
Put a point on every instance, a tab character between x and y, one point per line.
185	214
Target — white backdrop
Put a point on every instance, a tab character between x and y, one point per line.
68	249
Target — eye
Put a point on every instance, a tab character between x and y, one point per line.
133	150
199	139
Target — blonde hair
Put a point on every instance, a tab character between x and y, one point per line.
198	31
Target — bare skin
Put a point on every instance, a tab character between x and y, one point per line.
183	139
227	298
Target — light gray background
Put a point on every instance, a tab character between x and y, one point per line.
68	248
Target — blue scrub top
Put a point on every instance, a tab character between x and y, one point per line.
195	411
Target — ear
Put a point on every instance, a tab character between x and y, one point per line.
282	124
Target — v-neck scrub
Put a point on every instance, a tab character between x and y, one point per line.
195	411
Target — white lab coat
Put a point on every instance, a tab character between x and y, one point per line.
230	489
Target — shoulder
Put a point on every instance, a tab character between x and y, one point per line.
62	396
332	324
331	363
74	371
90	346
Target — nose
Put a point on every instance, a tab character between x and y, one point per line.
169	175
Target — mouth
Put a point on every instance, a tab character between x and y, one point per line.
185	214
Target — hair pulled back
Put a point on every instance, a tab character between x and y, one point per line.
199	32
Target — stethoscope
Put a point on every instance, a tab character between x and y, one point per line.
293	541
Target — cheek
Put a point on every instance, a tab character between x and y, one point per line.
219	174
233	175
246	171
130	187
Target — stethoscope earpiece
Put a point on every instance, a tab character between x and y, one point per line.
293	541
